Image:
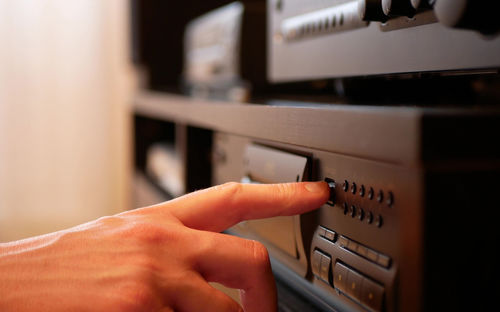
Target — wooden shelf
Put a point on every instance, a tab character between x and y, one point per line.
379	133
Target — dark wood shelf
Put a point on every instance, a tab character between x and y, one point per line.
378	133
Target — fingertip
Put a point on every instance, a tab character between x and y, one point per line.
319	189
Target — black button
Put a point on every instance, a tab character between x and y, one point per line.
340	277
353	188
354	284
362	190
390	199
352	211
331	186
361	214
346	208
380	196
371	193
345	186
372	294
378	221
369	217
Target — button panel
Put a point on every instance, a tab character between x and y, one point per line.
325	21
360	201
358	287
365	252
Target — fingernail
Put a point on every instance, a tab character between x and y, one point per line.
315	187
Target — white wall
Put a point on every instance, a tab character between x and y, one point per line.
65	89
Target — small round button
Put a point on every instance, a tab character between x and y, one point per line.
361	214
380	196
390	199
371	193
398	8
378	221
369	217
362	190
352	211
353	188
346	208
345	186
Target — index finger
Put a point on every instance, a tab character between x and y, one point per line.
220	207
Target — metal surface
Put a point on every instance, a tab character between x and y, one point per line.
371	50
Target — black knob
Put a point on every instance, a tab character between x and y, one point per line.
422	4
469	14
398	8
371	10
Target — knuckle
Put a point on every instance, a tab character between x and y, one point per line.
260	255
282	191
231	188
138	295
149	233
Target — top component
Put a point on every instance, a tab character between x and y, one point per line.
319	39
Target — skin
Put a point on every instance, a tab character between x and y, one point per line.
157	258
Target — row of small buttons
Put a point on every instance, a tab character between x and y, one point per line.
358	287
358	212
327	20
371	193
364	251
313	28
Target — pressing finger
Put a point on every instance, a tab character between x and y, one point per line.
220	207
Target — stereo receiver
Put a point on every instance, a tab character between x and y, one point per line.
410	223
319	39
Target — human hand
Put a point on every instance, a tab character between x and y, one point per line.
158	258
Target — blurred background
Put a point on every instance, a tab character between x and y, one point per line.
66	83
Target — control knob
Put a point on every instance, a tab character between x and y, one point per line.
371	10
398	8
469	14
422	4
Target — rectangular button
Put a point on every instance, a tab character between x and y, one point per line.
343	241
316	261
330	235
340	277
372	294
384	260
352	246
362	250
324	269
372	255
321	231
353	285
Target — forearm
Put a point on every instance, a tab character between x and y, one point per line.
21	266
